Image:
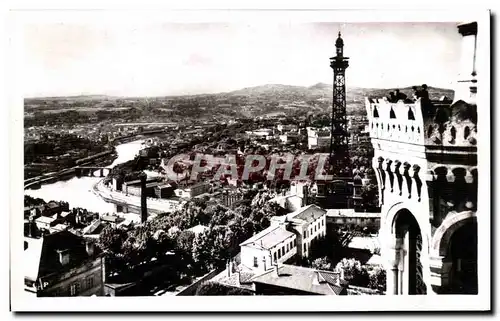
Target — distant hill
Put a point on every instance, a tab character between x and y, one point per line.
270	91
322	90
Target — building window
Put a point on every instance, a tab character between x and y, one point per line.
275	257
90	282
74	289
294	243
255	263
305	247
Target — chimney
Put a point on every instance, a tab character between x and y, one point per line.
305	196
341	275
30	227
337	280
89	246
63	256
230	268
276	270
144	208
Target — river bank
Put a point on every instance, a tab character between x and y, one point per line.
78	191
132	202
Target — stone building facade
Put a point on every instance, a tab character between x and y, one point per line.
426	166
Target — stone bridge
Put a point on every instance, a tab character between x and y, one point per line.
92	171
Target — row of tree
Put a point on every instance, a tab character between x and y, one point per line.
167	239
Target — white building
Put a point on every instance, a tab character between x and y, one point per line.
288	235
351	218
308	223
318	137
272	245
192	190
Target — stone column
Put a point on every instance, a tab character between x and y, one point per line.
467	84
392	256
440	269
404	263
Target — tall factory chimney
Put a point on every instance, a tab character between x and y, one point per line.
144	208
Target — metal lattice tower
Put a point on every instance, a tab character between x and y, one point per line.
339	144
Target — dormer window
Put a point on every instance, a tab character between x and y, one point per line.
63	256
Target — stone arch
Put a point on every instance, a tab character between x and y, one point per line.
396	225
443	234
390	217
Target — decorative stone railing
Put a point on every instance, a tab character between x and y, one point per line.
395	121
408	123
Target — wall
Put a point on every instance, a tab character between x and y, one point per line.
311	234
248	253
60	285
354	221
192	288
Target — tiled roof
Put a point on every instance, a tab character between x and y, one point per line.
42	258
269	237
302	279
308	213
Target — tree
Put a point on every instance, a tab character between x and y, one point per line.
369	195
185	241
322	264
214	288
202	251
354	272
111	239
378	279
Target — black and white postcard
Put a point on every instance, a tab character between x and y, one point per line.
315	160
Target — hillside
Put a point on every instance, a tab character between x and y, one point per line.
246	102
322	90
270	92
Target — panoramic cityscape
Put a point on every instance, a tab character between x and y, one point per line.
280	183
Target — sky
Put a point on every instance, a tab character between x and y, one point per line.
191	58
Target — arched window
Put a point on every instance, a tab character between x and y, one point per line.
453	132
466	132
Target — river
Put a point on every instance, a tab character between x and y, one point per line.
78	191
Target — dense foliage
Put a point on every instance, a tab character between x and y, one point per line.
166	239
213	288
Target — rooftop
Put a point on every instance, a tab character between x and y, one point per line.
308	213
45	219
198	229
349	212
41	257
268	238
303	279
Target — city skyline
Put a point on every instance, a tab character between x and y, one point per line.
64	60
